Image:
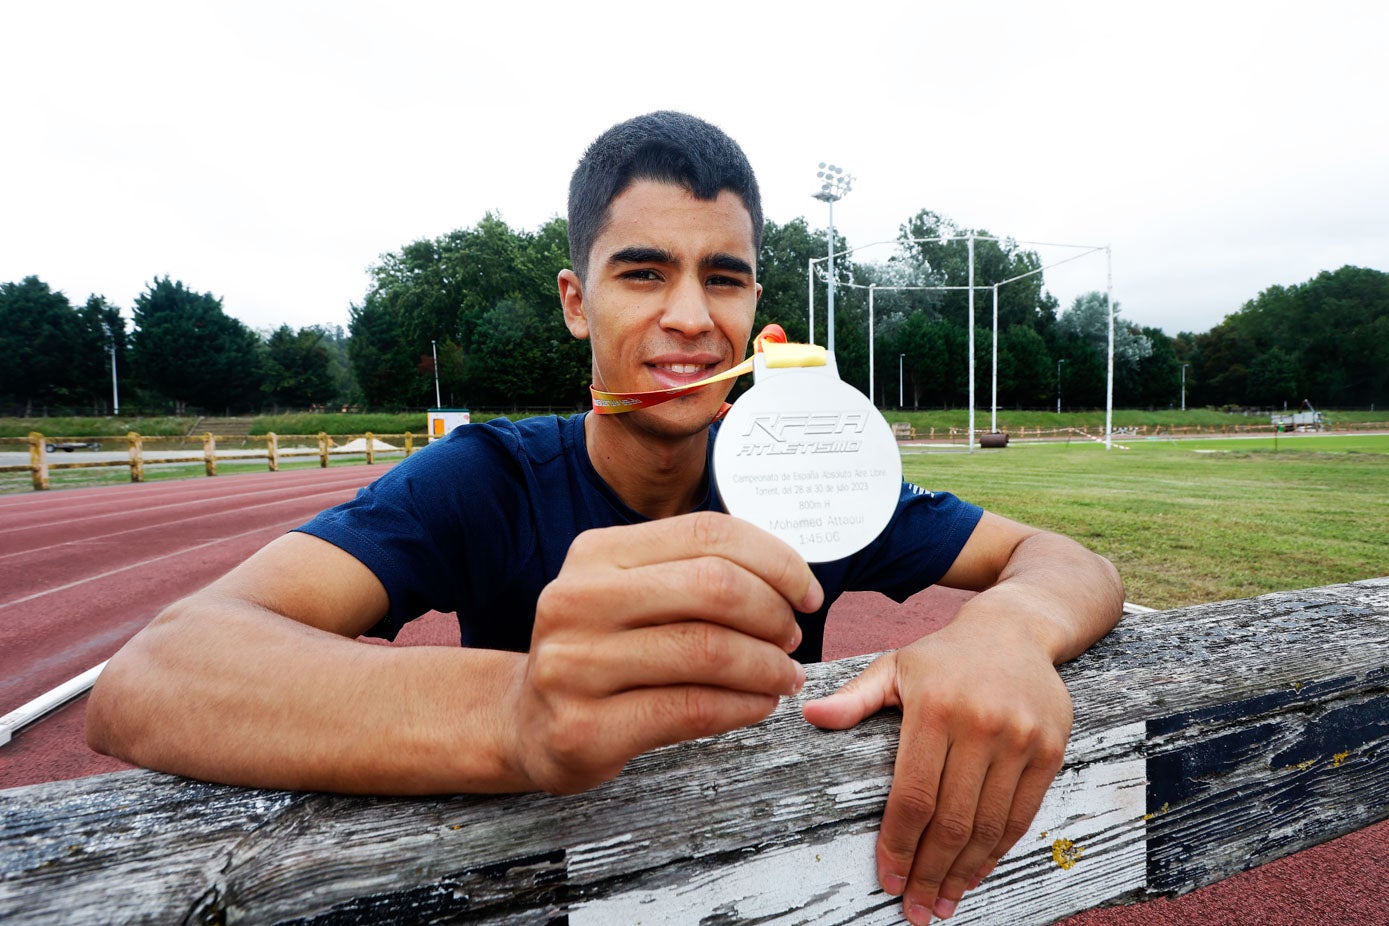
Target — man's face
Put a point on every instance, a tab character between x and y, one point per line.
669	300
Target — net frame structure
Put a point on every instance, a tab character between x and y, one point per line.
970	238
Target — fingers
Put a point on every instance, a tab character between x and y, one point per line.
585	744
707	533
969	822
989	790
862	696
1006	808
686	653
911	805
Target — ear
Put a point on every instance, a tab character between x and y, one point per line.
571	298
758	297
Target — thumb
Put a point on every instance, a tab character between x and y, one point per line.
862	696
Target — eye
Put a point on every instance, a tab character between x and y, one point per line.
719	280
641	276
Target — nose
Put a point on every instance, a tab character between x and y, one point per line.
686	310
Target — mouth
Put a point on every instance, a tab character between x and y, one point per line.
670	374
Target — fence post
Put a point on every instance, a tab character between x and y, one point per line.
137	456
409	443
210	453
272	450
38	460
323	450
371	451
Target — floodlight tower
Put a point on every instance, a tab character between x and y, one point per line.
834	186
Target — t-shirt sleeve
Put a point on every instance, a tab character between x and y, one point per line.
918	546
418	529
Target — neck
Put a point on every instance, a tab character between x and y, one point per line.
655	475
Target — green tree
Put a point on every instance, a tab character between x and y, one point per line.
1082	339
487	295
1026	374
382	363
1023	301
782	267
1158	376
188	350
1324	339
41	339
297	368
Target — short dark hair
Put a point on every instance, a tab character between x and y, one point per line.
668	147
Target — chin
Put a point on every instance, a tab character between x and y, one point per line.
678	418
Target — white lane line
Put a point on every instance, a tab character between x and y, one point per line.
46	703
125	511
155	559
163	524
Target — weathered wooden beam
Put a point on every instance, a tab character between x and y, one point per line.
1208	740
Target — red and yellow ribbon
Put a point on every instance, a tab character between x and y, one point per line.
771	342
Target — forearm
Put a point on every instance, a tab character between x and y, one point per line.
222	690
1061	595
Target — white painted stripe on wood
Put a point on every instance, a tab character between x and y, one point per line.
1086	845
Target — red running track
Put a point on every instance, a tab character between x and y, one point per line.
82	570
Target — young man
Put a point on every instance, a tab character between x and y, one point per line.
607	606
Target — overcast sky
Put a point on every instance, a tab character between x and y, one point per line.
270	152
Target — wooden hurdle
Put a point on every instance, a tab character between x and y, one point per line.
1208	740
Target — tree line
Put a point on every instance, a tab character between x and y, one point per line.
476	311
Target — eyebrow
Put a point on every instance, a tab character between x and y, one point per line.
651	255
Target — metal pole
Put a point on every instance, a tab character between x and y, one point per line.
993	415
810	297
971	340
1184	366
830	323
901	392
870	342
1109	385
1058	384
115	393
434	349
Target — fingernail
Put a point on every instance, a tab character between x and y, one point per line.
796	640
918	915
814	597
893	884
800	679
945	909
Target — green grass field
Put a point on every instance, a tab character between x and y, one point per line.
1194	520
1185	521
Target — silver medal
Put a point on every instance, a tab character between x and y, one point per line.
807	457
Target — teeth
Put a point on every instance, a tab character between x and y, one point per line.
682	367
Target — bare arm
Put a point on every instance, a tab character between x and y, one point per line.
985	717
258	680
651	634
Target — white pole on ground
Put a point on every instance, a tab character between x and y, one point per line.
1109	385
971	340
46	703
993	415
871	287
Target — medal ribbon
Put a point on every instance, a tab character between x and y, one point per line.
771	342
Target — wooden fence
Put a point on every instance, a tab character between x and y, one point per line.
41	462
1208	740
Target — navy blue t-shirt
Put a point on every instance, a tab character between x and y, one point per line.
480	522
